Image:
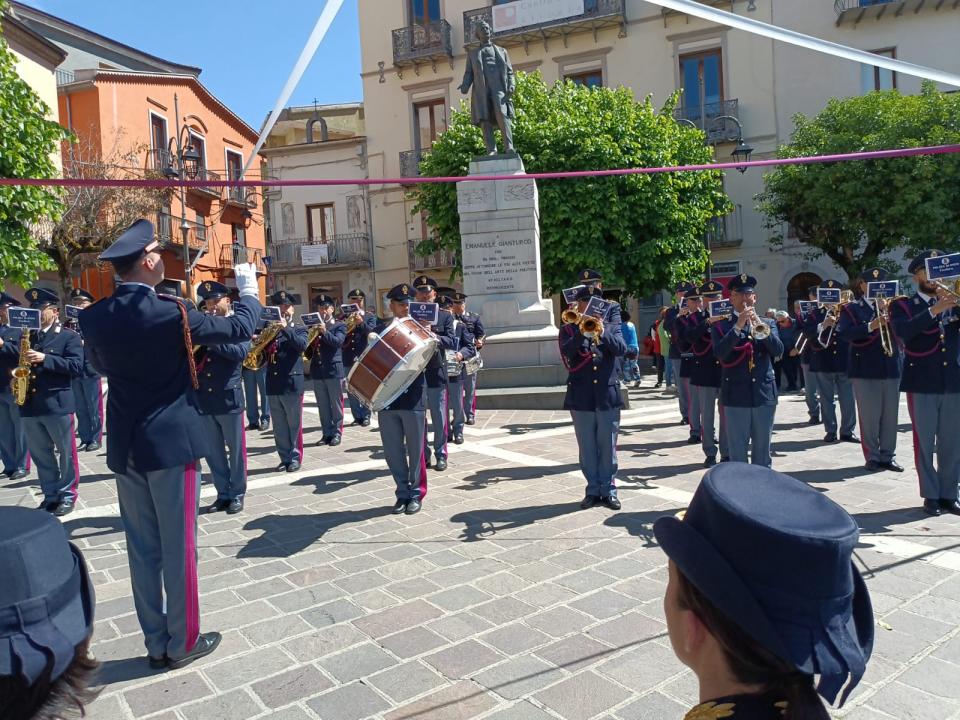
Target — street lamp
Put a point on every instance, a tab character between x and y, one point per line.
743	151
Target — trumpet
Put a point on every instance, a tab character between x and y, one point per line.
570	316
758	328
591	327
953	292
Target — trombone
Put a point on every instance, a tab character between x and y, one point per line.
881	304
833	311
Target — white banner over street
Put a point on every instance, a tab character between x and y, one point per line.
524	13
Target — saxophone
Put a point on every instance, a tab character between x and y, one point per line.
256	358
20	385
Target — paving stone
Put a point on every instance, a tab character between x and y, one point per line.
559	621
270	631
463	660
575	652
604	604
306	598
503	610
519	677
166	693
457	702
398	618
934	676
652	706
247	668
458	598
642	667
350	702
290	686
521	711
582	696
907	703
236	705
459	626
406	680
415	641
357	662
332	613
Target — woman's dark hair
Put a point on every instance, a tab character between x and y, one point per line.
625	316
751	663
65	697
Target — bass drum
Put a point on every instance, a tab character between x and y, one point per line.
392	361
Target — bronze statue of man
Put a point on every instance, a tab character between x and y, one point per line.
490	74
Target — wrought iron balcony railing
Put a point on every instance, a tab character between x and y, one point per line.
439	259
348	250
597	14
426	43
233	255
410	163
65	77
725	232
170	231
158	160
856	10
705	118
213	191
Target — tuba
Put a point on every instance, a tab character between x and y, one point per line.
256	358
20	384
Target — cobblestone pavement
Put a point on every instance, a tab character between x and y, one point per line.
501	600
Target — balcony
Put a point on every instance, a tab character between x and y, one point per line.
725	232
439	259
854	11
410	163
158	160
417	45
65	77
213	191
725	4
233	255
597	15
170	233
705	119
298	254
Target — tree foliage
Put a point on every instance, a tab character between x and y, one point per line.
643	232
859	212
27	141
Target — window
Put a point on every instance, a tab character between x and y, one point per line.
201	147
424	11
333	289
238	236
320	224
430	118
158	142
589	78
201	226
875	78
701	76
234	170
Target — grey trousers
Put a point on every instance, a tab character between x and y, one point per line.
255	395
597	441
830	385
750	426
469	385
358	409
13	439
708	399
228	460
287	411
934	432
683	395
47	437
159	512
878	406
88	397
403	434
693	408
456	406
329	392
810	390
437	405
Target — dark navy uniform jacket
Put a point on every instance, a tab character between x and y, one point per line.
285	361
412	397
683	347
670	322
436	372
356	341
806	357
741	707
136	339
867	359
831	359
474	324
464	345
327	360
695	332
219	371
51	388
930	346
9	356
741	386
88	371
592	382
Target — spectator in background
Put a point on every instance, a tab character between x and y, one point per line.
631	368
789	363
771	314
657	349
665	347
46	619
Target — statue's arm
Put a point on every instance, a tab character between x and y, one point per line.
467	77
511	76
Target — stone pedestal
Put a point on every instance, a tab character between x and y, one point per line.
500	241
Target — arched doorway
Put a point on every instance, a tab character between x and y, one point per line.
798	285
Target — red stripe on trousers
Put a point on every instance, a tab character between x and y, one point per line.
916	442
190	555
75	485
300	433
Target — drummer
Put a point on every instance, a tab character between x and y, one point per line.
465	349
403	428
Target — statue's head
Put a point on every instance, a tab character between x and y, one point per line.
483	31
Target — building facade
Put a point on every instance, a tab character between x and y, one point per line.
413	59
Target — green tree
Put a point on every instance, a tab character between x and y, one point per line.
27	140
858	213
643	232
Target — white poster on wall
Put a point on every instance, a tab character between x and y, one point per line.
314	255
523	13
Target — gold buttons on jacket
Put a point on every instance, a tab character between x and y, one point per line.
596	381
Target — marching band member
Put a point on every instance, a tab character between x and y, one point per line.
928	324
594	278
465	350
692	306
87	390
829	363
705	376
326	370
353	347
875	375
56	357
670	323
285	384
220	403
593	399
749	390
807	356
143	343
255	397
13	440
403	426
469	382
436	373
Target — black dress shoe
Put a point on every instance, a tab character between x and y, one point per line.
588	502
458	439
399	506
253	426
218	506
65	507
82	447
950	506
611	501
293	467
849	438
892	466
725	458
830	438
334	441
19	475
325	440
281	466
814	420
413	507
429	462
441	465
158	663
265	425
683	421
206	644
932	507
874	466
710	461
693	440
470	420
93	447
365	422
47	505
235	506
